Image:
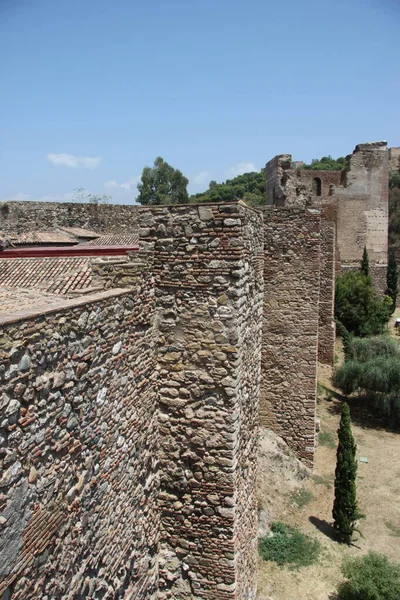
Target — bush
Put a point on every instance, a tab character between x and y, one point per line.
372	577
358	307
346	339
378	379
364	349
288	545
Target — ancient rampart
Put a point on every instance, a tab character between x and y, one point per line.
22	217
209	286
292	250
79	439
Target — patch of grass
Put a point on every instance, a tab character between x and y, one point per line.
371	577
394	529
288	545
323	480
301	497
326	439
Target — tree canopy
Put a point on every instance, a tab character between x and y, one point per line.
162	184
358	306
326	163
249	187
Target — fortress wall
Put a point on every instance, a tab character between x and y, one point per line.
326	325
20	217
363	210
208	271
79	485
292	240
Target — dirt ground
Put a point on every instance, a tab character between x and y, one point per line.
378	486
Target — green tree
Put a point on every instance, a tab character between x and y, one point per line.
370	577
358	306
365	262
345	510
249	187
162	184
391	279
326	163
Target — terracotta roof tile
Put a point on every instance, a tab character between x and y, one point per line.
114	239
58	275
42	237
78	232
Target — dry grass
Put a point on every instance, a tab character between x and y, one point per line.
378	492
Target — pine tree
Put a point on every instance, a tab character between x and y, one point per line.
365	262
345	510
391	279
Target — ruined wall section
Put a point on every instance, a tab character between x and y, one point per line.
394	159
363	210
208	269
290	336
79	446
281	182
20	217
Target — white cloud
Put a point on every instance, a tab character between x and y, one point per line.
240	169
200	178
73	162
111	184
126	185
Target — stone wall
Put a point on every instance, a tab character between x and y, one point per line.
360	193
326	325
290	332
208	271
79	440
394	159
20	217
363	210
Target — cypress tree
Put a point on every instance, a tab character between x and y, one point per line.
345	510
391	279
365	262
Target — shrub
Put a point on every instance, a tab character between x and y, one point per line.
364	349
358	307
378	379
288	545
372	577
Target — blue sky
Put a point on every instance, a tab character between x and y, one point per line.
93	90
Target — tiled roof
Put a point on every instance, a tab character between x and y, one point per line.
15	299
42	237
78	232
58	275
115	239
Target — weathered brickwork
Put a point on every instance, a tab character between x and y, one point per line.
360	193
292	239
208	272
79	484
326	325
22	217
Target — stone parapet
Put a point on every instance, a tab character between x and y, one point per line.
208	272
79	439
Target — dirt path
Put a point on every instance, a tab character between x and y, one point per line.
378	485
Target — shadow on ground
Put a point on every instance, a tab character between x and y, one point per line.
324	527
